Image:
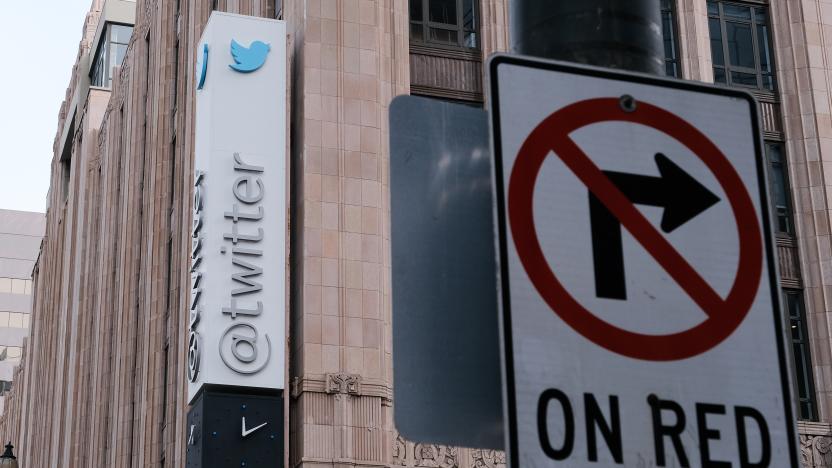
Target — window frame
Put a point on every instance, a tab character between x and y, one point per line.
784	165
104	47
674	33
806	364
426	25
727	66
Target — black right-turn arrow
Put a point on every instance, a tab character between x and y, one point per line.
682	197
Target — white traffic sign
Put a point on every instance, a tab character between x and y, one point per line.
640	306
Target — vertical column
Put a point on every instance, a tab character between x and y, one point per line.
694	40
493	27
350	58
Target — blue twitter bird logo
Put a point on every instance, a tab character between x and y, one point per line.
247	60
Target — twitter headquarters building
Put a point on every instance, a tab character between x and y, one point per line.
214	284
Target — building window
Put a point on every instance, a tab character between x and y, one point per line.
451	23
110	53
779	184
14	320
671	39
10	353
802	360
741	45
15	286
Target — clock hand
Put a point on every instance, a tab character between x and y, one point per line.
249	431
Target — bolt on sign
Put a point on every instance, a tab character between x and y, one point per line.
640	306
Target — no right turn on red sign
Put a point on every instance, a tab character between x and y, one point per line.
640	307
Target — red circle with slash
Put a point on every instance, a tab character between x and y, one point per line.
724	315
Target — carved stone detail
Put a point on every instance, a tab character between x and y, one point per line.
343	383
436	456
424	455
400	451
485	458
815	451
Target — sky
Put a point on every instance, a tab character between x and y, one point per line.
38	44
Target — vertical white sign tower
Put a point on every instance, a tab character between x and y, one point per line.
238	259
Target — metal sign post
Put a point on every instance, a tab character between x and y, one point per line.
640	306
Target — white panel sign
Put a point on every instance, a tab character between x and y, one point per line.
238	262
640	309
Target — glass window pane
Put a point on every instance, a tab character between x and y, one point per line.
415	10
760	15
762	45
18	286
669	37
667	33
99	70
806	411
28	286
120	33
800	359
719	75
736	11
779	187
417	32
716	42
796	330
5	285
469	19
117	52
14	352
740	44
784	223
471	39
445	36
15	320
768	82
26	320
713	8
443	11
4	319
800	350
744	79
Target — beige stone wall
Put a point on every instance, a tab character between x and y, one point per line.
803	35
349	59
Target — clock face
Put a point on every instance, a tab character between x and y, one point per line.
235	429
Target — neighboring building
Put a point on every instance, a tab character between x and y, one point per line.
20	236
104	382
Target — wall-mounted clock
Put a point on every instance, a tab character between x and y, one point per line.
230	429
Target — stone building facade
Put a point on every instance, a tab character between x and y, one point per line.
102	382
20	236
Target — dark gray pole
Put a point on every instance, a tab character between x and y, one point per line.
623	34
